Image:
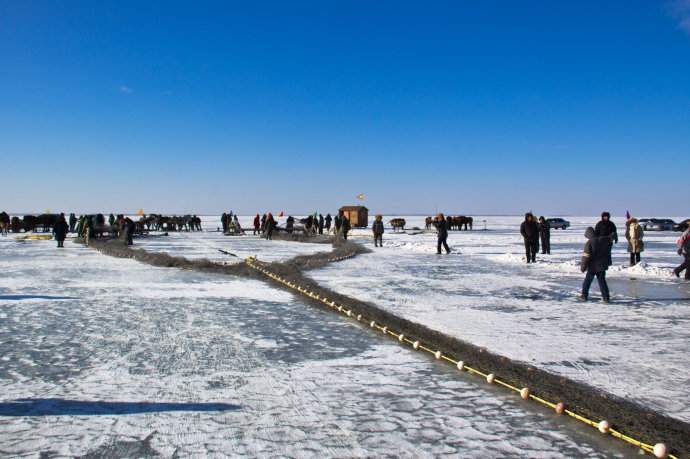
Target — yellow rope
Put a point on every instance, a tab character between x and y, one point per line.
251	262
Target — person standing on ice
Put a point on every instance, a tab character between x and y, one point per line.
327	221
336	224
595	262
270	225
127	230
262	227
378	230
441	225
257	223
684	250
238	227
321	224
545	236
72	222
224	222
60	231
634	235
345	226
530	233
606	228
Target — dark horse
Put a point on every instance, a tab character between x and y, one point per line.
460	221
398	224
4	223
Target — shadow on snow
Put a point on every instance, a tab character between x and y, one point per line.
62	407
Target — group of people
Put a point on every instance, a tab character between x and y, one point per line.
533	232
536	233
596	256
91	226
266	224
230	223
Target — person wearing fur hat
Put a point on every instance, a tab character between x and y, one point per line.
606	228
634	235
529	229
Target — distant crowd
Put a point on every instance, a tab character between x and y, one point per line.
536	234
265	225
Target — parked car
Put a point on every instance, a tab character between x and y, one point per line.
682	226
657	224
555	223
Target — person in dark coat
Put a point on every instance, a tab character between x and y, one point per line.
72	222
224	222
290	224
606	228
344	226
684	251
595	262
60	230
257	223
128	231
377	229
545	236
327	221
530	233
336	224
441	225
321	224
263	224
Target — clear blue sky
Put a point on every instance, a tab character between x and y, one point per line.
472	107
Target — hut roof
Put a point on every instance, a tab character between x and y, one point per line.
353	208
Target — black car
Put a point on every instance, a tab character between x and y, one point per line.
682	226
657	224
556	223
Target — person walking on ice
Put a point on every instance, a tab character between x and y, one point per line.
684	251
442	230
595	261
378	230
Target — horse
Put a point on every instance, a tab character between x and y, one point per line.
398	224
16	224
460	221
4	223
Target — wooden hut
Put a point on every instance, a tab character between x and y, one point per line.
358	215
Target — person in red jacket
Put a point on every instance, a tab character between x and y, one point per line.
257	223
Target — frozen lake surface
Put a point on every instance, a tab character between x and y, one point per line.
637	347
112	358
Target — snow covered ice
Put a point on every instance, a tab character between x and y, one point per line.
637	347
110	357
